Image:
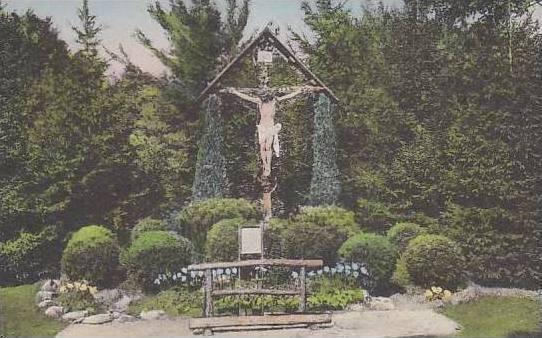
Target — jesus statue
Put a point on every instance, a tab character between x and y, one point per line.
268	131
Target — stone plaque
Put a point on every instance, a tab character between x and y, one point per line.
251	241
265	56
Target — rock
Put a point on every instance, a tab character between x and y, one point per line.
107	296
122	304
46	303
75	315
44	295
125	318
381	304
54	311
98	319
153	314
51	285
115	314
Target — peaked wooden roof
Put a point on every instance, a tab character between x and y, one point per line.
266	33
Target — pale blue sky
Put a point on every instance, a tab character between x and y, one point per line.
120	19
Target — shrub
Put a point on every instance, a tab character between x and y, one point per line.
26	258
401	276
77	296
330	216
274	245
373	215
147	224
195	220
434	260
376	251
223	240
402	233
92	254
174	302
153	253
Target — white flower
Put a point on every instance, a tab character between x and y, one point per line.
183	278
333	270
184	270
234	271
200	273
364	270
179	275
192	274
311	274
326	268
220	271
355	266
228	271
319	272
174	277
157	281
356	274
294	274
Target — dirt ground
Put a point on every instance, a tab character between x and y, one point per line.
395	323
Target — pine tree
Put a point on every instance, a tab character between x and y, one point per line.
325	186
210	179
87	34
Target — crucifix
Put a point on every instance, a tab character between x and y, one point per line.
266	100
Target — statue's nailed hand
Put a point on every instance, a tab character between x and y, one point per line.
227	90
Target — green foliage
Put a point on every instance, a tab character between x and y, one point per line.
402	233
256	304
374	215
18	302
77	296
496	317
155	252
200	40
174	302
376	252
400	276
223	240
196	219
434	260
92	254
318	232
210	179
494	244
25	258
325	185
147	224
335	299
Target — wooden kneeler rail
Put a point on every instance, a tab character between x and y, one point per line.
210	323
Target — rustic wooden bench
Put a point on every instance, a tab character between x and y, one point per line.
210	323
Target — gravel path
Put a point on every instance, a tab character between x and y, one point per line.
395	323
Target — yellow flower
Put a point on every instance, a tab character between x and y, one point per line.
428	294
77	285
63	289
69	286
439	290
83	287
92	290
434	289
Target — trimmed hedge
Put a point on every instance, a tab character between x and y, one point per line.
434	260
194	221
376	252
223	240
330	216
402	233
147	224
153	253
92	254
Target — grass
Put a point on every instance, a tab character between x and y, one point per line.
19	317
496	316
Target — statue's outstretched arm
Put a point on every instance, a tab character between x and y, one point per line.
241	95
298	91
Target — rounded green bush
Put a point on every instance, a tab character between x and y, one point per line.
223	240
434	260
402	233
194	221
155	252
375	251
330	216
92	254
147	224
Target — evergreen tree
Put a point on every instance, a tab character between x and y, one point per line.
210	180
325	185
